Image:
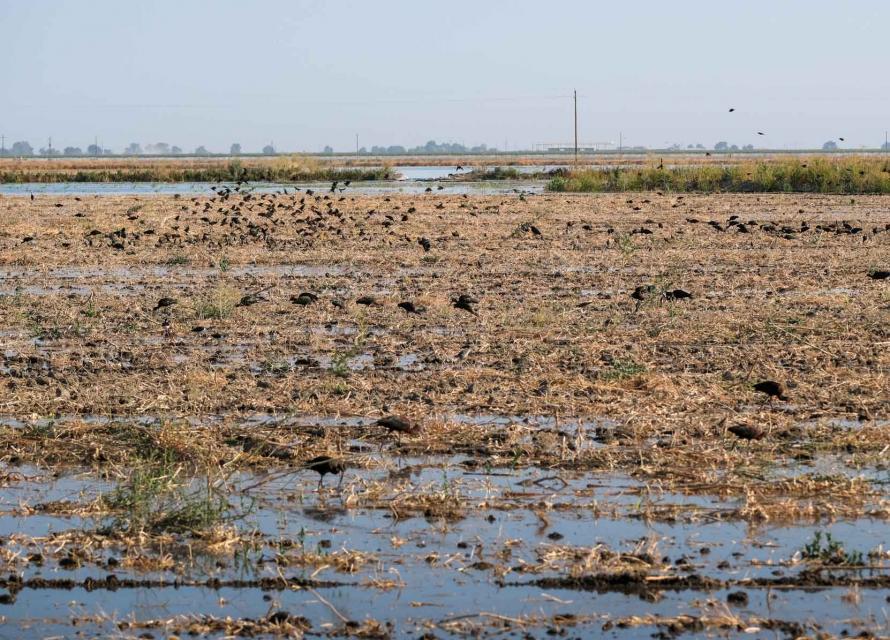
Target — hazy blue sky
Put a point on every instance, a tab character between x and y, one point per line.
306	73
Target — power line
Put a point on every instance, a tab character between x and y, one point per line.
576	128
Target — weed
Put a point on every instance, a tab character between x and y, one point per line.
217	303
178	259
621	370
830	551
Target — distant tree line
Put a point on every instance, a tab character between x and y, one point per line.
23	148
431	147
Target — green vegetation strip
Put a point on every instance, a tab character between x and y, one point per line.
232	172
855	175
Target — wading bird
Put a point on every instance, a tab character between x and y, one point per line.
323	465
164	303
772	389
465	303
746	432
398	425
304	299
409	308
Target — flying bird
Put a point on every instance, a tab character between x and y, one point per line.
731	109
761	133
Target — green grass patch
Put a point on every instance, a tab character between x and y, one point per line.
847	175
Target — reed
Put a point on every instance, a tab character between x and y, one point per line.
847	175
281	169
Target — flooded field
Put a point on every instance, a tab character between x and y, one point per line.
193	384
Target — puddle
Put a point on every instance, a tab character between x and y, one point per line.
422	571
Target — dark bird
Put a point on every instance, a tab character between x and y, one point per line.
398	425
410	308
425	243
677	294
879	274
32	197
746	432
841	139
465	302
304	299
324	465
643	291
459	168
164	303
772	389
761	133
731	109
368	301
334	186
249	299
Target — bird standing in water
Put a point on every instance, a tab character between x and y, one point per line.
324	465
399	425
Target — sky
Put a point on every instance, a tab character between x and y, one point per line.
303	74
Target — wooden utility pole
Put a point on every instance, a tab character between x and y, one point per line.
576	128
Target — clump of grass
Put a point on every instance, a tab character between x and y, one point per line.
340	363
827	550
217	303
847	175
156	499
621	370
178	259
496	173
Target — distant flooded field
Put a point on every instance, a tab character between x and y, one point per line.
483	410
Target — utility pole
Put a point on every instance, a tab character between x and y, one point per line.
356	144
576	128
50	146
2	144
96	145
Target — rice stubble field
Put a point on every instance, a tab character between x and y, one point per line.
581	447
